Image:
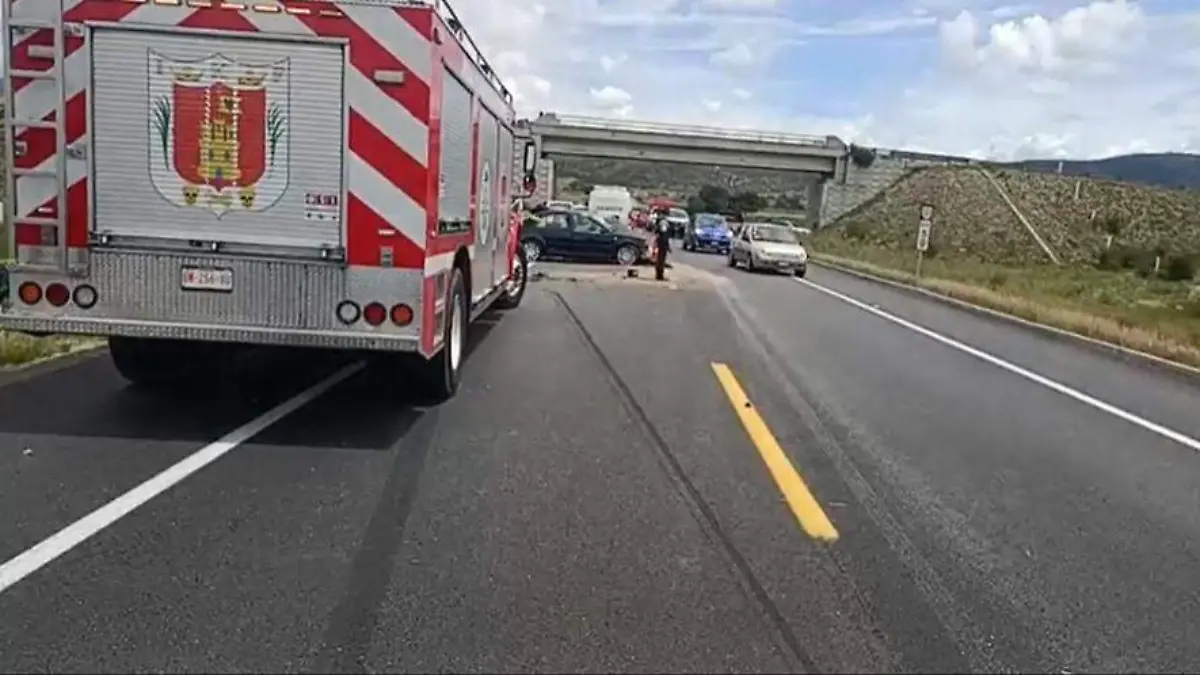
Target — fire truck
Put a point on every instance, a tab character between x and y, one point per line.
187	177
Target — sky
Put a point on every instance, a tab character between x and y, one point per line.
995	79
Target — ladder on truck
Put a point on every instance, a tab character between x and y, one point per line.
17	28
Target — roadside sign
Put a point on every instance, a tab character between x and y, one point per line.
923	232
926	212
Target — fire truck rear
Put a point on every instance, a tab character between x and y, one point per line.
190	176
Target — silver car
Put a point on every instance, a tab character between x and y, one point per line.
763	246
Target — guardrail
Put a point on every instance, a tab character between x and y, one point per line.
608	124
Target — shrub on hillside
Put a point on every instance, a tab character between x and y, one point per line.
1109	260
857	230
1120	258
1110	224
1180	268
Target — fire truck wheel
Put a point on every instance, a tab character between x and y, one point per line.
442	373
514	290
145	362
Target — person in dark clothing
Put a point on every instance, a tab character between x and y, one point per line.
662	243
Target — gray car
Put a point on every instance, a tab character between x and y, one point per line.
767	247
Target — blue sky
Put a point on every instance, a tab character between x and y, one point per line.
998	78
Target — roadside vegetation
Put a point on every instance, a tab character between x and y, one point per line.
18	349
1128	254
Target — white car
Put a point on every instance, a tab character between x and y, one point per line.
763	246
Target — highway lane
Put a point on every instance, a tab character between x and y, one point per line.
582	505
592	501
1046	534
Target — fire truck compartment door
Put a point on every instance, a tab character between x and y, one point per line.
217	138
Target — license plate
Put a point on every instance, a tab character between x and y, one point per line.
207	279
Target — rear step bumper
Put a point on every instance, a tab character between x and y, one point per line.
284	337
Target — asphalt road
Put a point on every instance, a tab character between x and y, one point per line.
595	501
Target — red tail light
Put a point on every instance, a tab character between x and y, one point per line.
58	294
375	314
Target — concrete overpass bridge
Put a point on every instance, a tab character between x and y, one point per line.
822	162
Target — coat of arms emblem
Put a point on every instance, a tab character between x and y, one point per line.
485	205
219	132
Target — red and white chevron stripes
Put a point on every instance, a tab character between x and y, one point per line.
390	164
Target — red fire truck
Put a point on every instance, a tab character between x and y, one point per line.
190	176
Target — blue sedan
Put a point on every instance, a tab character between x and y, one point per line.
708	232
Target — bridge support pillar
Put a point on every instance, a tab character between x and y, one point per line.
814	202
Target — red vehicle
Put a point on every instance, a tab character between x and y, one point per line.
189	177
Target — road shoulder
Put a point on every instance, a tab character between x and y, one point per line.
1187	372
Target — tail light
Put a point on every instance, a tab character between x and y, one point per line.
402	315
85	296
348	312
375	314
30	293
58	294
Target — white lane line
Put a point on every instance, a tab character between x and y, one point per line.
81	530
1086	399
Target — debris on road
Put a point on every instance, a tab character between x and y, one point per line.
681	276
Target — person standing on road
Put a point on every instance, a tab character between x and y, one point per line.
662	243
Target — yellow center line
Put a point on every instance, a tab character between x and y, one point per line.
802	502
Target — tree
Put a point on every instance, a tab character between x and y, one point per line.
747	202
861	156
715	198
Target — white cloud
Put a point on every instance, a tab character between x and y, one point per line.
738	55
610	63
1100	78
989	77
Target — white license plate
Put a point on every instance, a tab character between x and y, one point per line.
207	279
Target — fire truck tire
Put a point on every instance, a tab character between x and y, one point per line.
441	374
146	362
514	290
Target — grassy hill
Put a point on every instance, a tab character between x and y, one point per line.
1129	252
1075	216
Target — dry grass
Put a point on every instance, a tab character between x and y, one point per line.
18	349
981	253
1123	309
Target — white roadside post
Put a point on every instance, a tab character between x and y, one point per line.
924	230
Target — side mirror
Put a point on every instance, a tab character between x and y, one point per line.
529	161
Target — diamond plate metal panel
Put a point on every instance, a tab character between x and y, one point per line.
140	291
266	293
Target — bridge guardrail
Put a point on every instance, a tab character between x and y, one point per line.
807	140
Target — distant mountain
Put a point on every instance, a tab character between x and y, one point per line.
1172	170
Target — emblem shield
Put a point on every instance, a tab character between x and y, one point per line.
219	132
485	205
